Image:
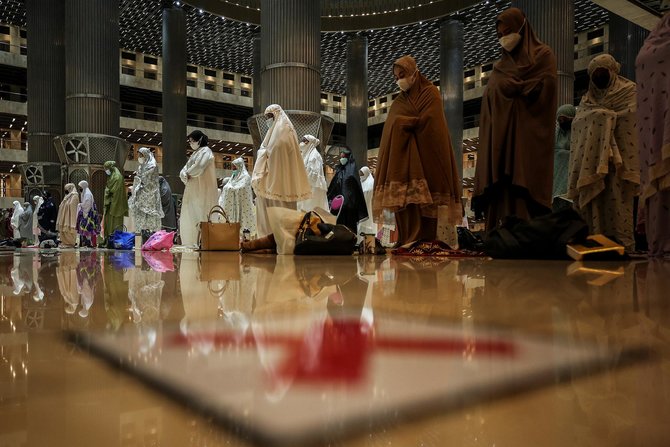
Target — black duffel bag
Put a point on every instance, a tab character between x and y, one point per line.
315	237
544	237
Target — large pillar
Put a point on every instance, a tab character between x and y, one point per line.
357	98
92	67
46	78
451	83
258	105
291	54
46	97
174	96
626	39
554	24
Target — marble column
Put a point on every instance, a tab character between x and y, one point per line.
174	96
451	83
554	24
291	54
357	98
92	67
258	106
625	40
46	77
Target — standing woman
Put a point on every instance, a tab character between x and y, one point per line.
15	220
201	191
653	117
314	167
116	200
237	200
66	223
416	173
347	183
37	231
26	223
88	220
145	201
169	221
515	161
279	178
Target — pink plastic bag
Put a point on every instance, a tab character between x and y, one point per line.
159	261
160	240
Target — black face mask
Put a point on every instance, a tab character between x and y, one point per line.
565	125
601	79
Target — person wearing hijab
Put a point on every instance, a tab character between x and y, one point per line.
367	226
347	183
116	200
26	223
653	118
417	172
48	213
15	220
66	222
604	163
88	219
5	229
201	191
514	172
37	231
145	200
317	180
169	220
237	200
564	117
279	178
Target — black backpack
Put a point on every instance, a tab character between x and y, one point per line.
544	237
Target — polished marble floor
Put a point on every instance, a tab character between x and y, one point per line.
54	392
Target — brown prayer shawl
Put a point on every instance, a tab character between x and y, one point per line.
67	212
516	130
416	160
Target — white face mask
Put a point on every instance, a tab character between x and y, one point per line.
343	161
510	41
269	122
194	145
141	160
108	172
404	84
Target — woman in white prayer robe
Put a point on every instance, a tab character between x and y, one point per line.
279	178
237	200
201	192
317	180
367	226
14	222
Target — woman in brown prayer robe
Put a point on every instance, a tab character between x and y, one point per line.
66	222
416	173
515	160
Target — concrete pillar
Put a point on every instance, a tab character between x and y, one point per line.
451	83
46	77
626	39
357	98
174	96
92	67
258	106
554	24
291	54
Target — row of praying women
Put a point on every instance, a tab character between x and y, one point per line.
613	147
288	173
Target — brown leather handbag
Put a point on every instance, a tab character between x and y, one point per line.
217	236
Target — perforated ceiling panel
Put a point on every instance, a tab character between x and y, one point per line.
225	44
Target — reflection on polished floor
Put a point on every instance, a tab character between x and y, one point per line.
53	392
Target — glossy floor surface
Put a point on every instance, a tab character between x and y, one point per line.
55	393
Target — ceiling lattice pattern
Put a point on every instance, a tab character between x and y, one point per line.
225	44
